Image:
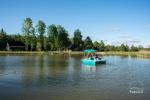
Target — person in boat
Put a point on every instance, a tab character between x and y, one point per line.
95	56
89	56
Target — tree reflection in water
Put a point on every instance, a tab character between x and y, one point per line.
88	68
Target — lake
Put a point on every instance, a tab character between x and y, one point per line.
63	77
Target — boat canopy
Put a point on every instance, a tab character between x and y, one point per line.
89	50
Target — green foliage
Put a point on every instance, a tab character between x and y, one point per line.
88	43
28	32
110	48
3	39
140	47
96	45
2	35
38	46
77	40
63	38
124	47
52	37
102	46
57	38
33	39
46	45
41	31
133	48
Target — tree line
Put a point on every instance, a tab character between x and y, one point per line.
53	38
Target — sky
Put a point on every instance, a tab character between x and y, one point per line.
114	21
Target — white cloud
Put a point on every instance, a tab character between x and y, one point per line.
128	40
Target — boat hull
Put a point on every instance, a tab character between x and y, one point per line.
93	62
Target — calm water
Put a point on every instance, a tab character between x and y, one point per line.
60	77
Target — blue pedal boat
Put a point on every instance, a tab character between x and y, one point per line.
93	59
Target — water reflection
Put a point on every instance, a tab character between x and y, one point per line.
88	68
42	70
136	87
2	69
65	76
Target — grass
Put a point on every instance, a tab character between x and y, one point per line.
144	54
22	53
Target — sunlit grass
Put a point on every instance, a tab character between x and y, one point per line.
145	54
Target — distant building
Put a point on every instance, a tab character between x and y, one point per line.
15	47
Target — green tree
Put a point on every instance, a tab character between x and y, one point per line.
2	35
33	39
46	44
26	29
3	39
134	48
102	45
110	48
77	39
124	47
88	43
63	37
52	36
41	31
141	47
96	45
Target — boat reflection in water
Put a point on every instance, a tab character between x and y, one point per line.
88	68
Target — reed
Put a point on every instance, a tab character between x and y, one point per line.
144	54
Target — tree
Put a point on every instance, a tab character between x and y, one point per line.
41	31
102	45
110	48
149	47
32	39
26	29
133	48
3	39
46	44
63	37
52	36
141	47
124	47
88	43
96	45
77	39
2	35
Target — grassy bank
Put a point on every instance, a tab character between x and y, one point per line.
37	52
21	53
145	54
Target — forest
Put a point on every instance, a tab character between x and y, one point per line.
54	38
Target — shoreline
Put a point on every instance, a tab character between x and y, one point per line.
121	53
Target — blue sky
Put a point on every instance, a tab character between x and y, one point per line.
114	21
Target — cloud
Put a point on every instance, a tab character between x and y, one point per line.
128	40
134	41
